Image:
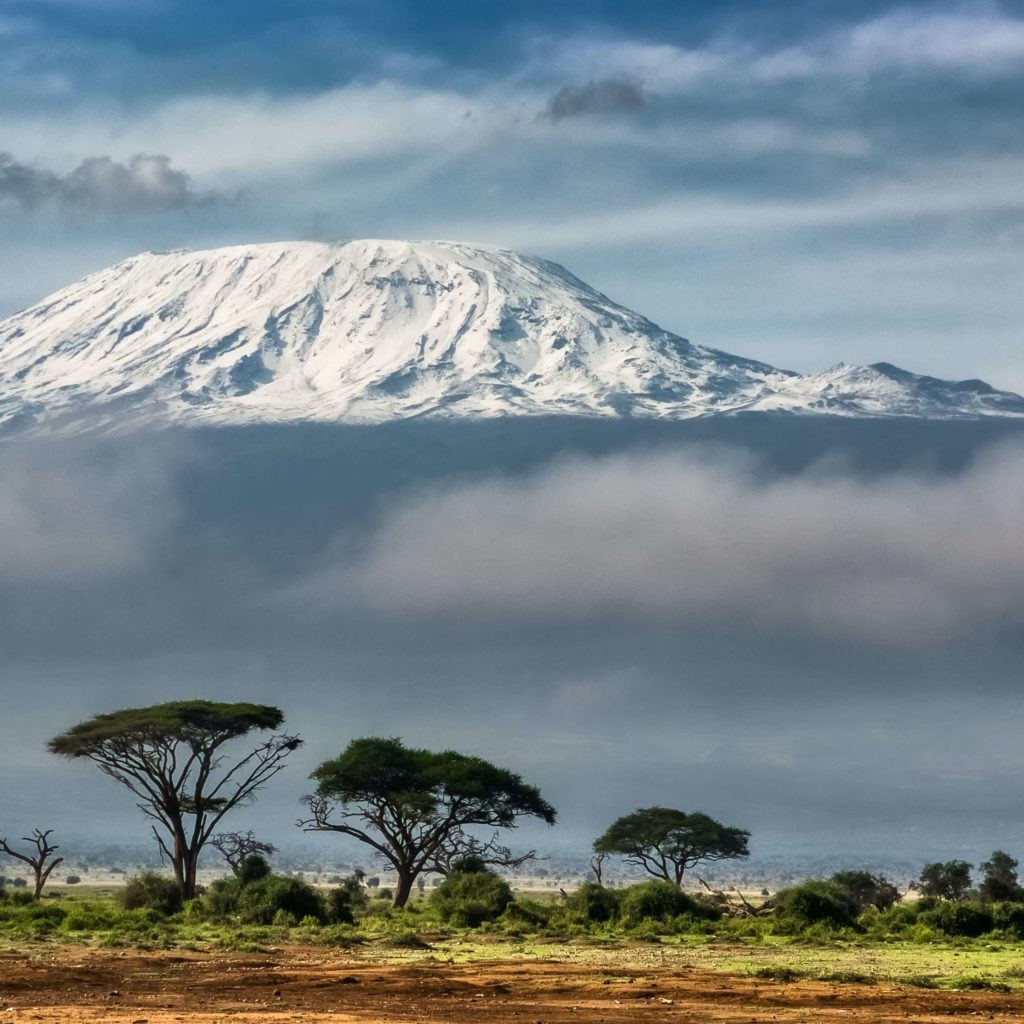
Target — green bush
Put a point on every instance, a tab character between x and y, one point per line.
962	918
867	890
261	901
91	917
252	869
816	902
524	915
219	902
344	900
661	901
151	891
34	918
594	902
468	899
1009	917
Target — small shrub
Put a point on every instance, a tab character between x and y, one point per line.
526	914
919	981
594	902
661	901
816	902
219	902
151	891
344	900
976	983
867	890
849	977
777	973
1009	917
252	869
468	899
90	917
963	918
71	880
261	901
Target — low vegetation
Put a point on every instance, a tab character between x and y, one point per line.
258	909
421	812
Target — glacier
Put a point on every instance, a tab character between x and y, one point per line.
372	331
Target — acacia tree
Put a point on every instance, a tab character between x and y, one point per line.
413	807
42	862
237	847
172	757
665	842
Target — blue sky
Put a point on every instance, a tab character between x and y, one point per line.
800	182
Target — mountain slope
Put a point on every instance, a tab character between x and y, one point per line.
370	331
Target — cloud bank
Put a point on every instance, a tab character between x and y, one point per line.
693	543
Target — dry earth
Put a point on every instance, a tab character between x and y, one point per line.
73	985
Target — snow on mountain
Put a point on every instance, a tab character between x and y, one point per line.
368	331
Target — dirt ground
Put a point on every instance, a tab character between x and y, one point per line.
310	985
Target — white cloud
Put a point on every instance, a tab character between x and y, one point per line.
694	543
974	36
964	187
959	37
243	135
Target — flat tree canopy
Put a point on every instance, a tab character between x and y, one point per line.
412	806
178	721
170	756
666	842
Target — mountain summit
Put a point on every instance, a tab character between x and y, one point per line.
368	331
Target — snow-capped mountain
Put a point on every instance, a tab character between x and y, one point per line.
368	331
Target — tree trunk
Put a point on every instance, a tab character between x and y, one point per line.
188	889
38	893
404	888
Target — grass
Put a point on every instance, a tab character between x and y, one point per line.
90	916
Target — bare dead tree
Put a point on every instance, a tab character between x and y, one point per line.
237	847
597	866
42	862
738	905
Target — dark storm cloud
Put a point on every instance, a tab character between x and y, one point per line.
147	183
689	542
611	96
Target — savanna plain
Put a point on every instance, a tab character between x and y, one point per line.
81	955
